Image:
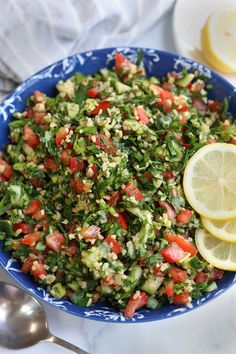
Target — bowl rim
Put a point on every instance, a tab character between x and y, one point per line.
19	89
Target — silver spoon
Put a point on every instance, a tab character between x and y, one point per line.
23	321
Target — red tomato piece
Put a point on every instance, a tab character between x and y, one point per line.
156	89
6	170
30	238
91	171
39	215
133	191
122	221
103	142
184	216
26	266
148	176
65	157
173	253
181	299
120	60
39	117
103	105
169	287
61	135
171	213
38	270
35	182
72	249
31	138
28	113
215	106
165	98
141	115
55	241
76	164
91	232
114	245
137	300
178	275
216	274
167	86
183	243
77	185
200	277
38	96
25	228
115	197
200	105
168	175
93	92
50	164
32	207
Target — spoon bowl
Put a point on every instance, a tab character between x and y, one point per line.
23	321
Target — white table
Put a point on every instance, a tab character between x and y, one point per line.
210	329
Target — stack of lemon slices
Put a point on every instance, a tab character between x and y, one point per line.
210	188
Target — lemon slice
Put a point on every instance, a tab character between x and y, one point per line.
218	39
224	230
210	181
219	253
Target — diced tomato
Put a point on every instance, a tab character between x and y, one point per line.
91	171
215	106
148	176
103	142
133	191
76	164
197	86
103	105
216	274
38	270
93	92
184	216
183	243
114	245
178	275
171	213
168	175
77	184
182	108
61	135
91	232
200	105
167	86
173	253
39	215
72	249
165	100
200	277
232	141
55	241
122	221
2	178
31	138
65	157
26	266
32	207
25	228
141	115
156	89
137	300
169	287
30	238
109	281
115	197
35	182
181	299
39	117
38	96
183	120
50	164
28	113
120	60
5	169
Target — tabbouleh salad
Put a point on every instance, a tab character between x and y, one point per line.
91	187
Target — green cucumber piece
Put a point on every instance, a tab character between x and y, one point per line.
184	81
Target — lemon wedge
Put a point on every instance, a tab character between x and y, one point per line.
218	39
210	181
219	253
224	230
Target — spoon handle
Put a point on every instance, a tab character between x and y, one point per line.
65	344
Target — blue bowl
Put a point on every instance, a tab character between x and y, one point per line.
157	63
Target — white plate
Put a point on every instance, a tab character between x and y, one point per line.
189	18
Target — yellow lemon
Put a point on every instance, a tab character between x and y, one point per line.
222	229
218	39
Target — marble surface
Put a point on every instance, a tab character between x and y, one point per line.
207	330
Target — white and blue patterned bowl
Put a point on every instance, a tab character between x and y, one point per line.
157	63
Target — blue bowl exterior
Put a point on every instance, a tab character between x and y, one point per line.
157	63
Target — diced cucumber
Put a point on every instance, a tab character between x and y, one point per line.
105	289
152	284
133	278
152	303
58	291
184	81
6	226
211	287
73	285
120	87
